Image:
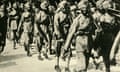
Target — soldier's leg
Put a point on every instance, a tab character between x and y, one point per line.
27	44
2	41
87	57
68	59
65	51
15	39
53	45
106	61
81	58
50	42
45	49
106	48
46	39
12	37
1	47
88	48
96	41
39	46
58	53
51	50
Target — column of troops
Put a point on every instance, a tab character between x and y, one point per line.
56	26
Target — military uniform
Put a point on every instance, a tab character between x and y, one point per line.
27	25
108	24
42	21
13	23
82	29
61	26
96	37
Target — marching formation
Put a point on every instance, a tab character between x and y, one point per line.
88	27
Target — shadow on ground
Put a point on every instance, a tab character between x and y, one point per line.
7	64
11	57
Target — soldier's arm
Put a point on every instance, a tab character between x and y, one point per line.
72	30
8	22
56	24
21	21
35	27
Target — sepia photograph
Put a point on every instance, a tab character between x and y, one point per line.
59	36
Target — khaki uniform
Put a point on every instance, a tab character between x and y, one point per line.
27	28
26	24
61	27
42	23
81	27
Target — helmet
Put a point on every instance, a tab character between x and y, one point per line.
63	5
44	4
83	4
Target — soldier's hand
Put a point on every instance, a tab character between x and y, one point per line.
65	47
98	30
36	33
57	34
17	33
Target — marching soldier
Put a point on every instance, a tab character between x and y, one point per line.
42	22
13	23
51	28
109	28
62	22
26	22
82	29
96	37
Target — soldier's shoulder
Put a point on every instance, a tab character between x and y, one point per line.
57	14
